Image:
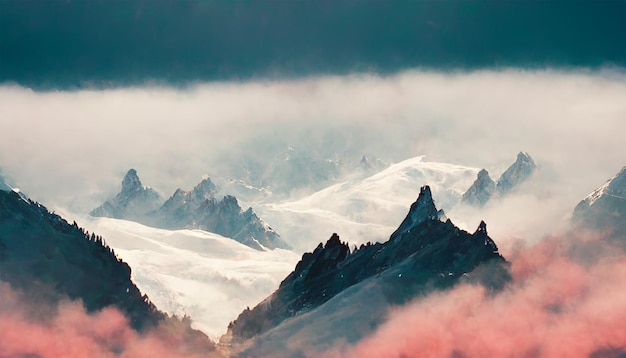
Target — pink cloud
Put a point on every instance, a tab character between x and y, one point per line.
67	330
555	307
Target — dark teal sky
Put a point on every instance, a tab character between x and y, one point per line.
70	44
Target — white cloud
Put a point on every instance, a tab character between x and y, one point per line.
71	148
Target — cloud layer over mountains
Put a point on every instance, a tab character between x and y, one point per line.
69	148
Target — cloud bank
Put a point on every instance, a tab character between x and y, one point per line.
566	300
35	328
70	149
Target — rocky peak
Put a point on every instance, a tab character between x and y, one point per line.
205	189
230	202
133	202
482	228
605	208
335	249
423	209
481	234
323	259
131	181
518	172
481	190
483	175
194	209
423	254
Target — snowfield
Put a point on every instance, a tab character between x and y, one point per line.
206	276
367	209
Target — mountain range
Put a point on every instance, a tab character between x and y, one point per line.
484	188
422	255
343	291
363	207
194	209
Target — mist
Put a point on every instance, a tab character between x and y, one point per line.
566	299
32	326
70	149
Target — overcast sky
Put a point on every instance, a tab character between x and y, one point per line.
103	43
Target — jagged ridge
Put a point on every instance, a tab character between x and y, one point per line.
517	173
481	190
194	209
484	188
439	254
133	202
605	208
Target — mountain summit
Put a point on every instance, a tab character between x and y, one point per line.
421	210
424	254
517	173
484	188
131	182
481	190
133	202
193	209
198	209
605	207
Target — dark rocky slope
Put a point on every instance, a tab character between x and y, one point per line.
435	255
39	249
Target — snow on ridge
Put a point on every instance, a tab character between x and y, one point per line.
380	200
204	275
596	194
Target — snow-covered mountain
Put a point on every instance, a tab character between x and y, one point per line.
424	254
605	207
209	277
363	209
134	202
484	187
224	217
193	209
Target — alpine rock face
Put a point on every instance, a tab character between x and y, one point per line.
423	254
605	208
193	209
483	188
224	217
134	201
516	174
